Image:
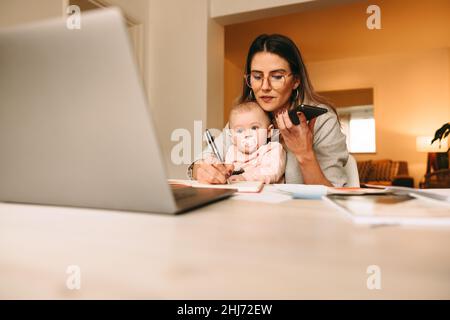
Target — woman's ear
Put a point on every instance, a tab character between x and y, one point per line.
296	83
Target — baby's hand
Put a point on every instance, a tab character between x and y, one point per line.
236	178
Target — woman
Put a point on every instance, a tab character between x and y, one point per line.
276	78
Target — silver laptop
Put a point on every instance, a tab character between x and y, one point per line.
75	129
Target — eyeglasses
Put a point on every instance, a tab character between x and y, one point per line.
276	81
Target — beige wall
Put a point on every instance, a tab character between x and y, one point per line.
177	86
228	12
340	31
14	12
215	74
406	62
220	8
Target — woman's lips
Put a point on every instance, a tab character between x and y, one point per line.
267	99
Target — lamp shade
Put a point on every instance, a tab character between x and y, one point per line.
423	144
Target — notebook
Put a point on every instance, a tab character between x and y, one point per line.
392	209
240	186
305	191
432	194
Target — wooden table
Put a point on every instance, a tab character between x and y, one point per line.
232	249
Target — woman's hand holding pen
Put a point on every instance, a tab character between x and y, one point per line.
214	173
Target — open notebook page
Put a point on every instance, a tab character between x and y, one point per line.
240	186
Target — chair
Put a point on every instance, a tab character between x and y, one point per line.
437	179
351	170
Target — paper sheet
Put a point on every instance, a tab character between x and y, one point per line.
241	186
302	191
268	195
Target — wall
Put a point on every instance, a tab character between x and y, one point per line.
14	12
406	62
228	12
339	31
178	59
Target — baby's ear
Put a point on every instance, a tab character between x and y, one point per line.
270	131
228	132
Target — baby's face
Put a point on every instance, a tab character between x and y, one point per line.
249	130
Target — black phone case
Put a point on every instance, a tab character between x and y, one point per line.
310	112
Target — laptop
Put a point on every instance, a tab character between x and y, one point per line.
75	128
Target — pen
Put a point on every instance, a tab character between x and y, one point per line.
210	140
211	143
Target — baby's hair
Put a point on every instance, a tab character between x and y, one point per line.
245	107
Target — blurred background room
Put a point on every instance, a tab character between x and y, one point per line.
390	84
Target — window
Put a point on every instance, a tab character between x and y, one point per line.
358	125
356	112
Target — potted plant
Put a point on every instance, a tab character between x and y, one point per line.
440	134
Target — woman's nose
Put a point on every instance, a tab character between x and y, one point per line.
266	84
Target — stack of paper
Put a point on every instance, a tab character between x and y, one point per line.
430	194
392	209
240	186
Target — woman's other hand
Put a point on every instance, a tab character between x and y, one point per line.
298	138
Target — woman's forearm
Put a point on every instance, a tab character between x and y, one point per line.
311	171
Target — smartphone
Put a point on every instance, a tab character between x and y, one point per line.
310	112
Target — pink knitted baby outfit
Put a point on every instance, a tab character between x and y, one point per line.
266	164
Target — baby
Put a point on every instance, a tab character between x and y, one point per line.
251	152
